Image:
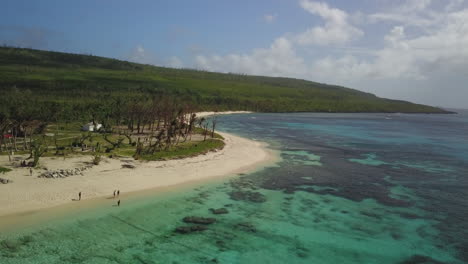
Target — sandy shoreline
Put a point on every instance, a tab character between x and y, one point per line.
27	194
205	114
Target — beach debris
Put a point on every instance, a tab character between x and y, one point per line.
199	220
219	211
61	173
190	229
128	166
4	181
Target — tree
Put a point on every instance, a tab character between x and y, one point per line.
139	149
213	125
29	127
115	144
129	137
193	119
38	148
5	125
97	154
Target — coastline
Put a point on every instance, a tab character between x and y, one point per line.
28	196
206	114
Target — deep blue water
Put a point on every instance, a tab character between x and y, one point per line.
351	188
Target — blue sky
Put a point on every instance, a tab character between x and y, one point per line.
404	49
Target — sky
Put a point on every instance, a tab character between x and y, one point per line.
414	50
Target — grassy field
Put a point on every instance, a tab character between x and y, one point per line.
62	136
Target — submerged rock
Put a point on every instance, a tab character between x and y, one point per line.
10	245
219	211
371	214
409	215
254	197
419	259
245	226
221	245
199	220
190	229
243	183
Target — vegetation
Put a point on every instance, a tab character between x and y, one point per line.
38	148
150	133
97	154
147	112
187	149
4	170
71	87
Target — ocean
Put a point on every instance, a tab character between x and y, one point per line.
350	188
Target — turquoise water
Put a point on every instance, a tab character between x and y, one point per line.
352	188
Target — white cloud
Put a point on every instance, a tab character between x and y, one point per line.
395	36
401	57
416	58
425	46
280	59
338	71
453	5
141	55
415	5
337	29
410	13
175	62
269	18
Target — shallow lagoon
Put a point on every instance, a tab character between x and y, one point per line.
351	188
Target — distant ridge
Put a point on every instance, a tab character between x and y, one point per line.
64	78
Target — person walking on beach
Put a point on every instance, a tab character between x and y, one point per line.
118	203
114	193
79	196
118	192
30	171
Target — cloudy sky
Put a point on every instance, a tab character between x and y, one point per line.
414	50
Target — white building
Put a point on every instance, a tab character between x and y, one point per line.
91	127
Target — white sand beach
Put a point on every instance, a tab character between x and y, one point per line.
30	193
205	114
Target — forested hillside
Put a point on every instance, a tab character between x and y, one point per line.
60	86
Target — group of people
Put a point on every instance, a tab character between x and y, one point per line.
116	193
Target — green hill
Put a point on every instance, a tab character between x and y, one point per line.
54	80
